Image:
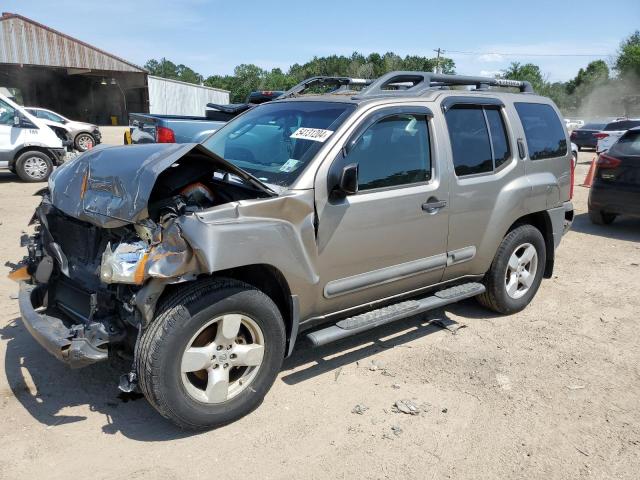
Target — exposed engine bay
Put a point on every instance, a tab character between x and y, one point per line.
97	272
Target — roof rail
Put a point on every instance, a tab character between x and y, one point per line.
323	80
418	83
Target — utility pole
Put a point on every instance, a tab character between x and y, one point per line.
439	50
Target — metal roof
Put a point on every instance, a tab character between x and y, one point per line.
26	42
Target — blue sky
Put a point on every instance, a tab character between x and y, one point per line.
213	36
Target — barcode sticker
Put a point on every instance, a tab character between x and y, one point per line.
315	134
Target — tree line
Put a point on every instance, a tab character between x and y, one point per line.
593	90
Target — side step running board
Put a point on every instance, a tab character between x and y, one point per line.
366	321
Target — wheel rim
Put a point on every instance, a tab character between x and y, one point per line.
222	359
35	167
85	142
521	270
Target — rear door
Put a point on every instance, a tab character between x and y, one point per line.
485	190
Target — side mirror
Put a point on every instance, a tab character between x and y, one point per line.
349	179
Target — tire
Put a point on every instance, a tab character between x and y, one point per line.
500	275
178	326
33	166
84	141
598	217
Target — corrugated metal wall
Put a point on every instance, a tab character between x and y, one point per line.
171	97
24	41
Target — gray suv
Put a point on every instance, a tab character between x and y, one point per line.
322	215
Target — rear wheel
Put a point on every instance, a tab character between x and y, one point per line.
599	217
33	166
84	142
516	271
212	353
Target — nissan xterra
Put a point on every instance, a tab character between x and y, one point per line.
325	214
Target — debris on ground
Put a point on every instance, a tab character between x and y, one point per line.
377	365
576	387
395	386
406	406
359	409
396	430
337	374
13	296
448	324
445	410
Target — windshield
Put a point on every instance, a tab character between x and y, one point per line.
275	141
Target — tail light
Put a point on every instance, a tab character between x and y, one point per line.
165	135
573	177
607	161
600	135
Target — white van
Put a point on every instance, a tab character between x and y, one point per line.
28	147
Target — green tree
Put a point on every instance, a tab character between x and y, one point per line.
527	72
628	61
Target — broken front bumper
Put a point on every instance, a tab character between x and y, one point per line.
77	345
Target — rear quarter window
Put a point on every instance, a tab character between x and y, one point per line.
621	125
543	130
628	145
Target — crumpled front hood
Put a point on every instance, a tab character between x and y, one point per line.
110	186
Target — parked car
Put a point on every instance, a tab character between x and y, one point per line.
584	137
324	214
84	135
616	183
574	154
612	132
28	147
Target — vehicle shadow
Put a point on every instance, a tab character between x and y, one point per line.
46	387
8	177
623	228
318	361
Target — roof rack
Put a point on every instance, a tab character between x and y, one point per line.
418	83
338	82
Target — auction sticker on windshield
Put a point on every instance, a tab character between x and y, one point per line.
315	134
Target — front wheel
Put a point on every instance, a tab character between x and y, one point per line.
33	166
211	354
516	271
84	142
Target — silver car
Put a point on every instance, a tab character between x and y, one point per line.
84	135
323	215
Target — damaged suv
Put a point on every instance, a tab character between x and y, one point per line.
325	214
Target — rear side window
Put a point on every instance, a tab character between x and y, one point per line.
628	145
543	130
478	139
394	151
621	125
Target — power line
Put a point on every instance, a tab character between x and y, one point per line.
533	54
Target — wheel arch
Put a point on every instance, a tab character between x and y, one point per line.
272	282
30	148
541	221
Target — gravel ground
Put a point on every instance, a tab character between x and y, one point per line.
551	392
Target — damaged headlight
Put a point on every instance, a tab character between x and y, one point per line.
125	263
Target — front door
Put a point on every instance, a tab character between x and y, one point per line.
7	142
390	237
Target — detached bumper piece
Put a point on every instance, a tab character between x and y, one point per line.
77	345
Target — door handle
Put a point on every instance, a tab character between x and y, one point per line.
433	205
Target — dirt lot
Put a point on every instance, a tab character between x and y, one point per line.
552	392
